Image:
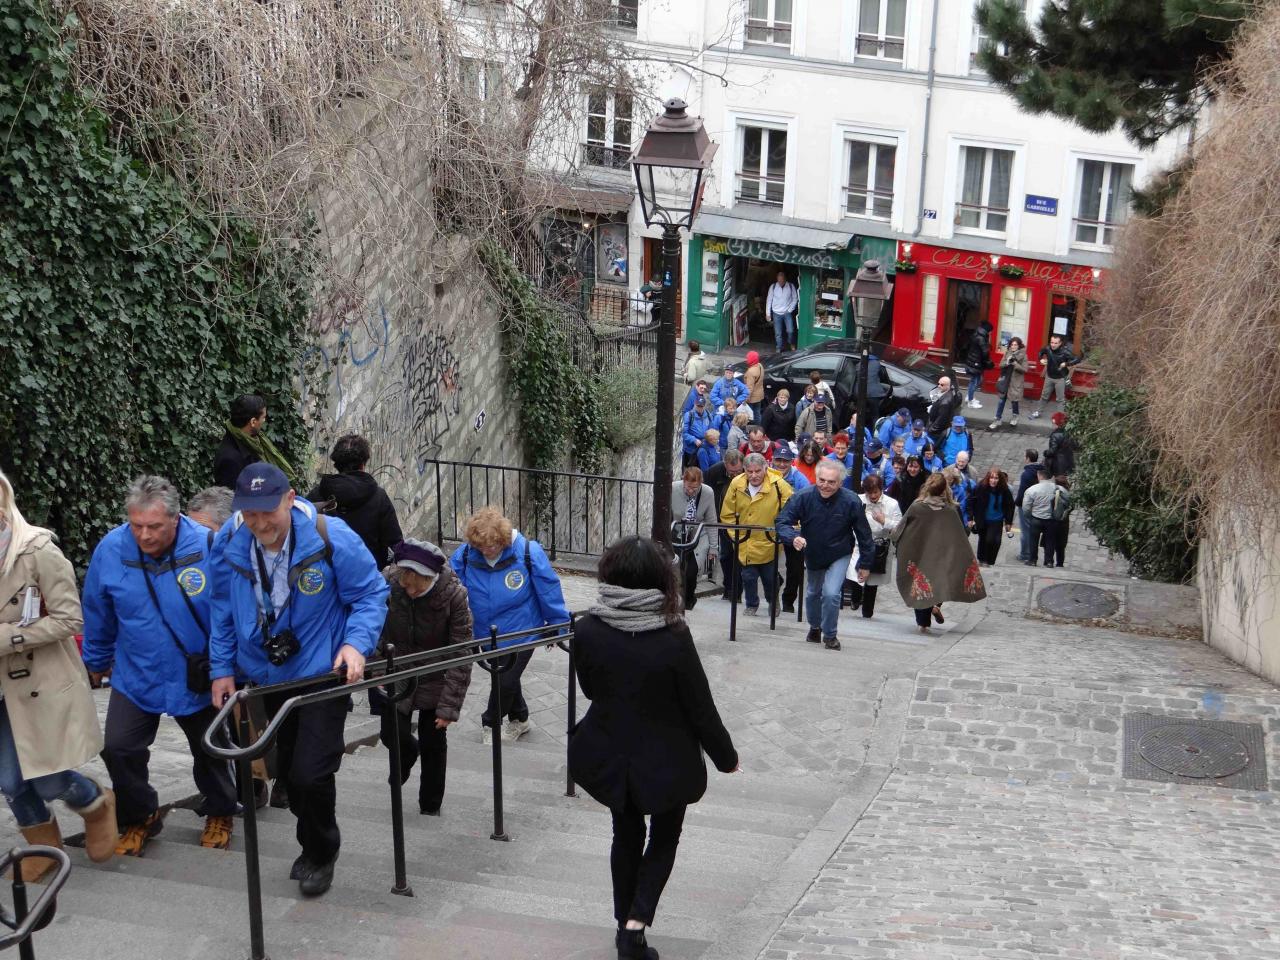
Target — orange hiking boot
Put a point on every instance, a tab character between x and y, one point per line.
217	833
135	838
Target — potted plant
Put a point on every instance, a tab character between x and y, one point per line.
904	266
1011	271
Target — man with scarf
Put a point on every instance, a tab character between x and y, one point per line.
244	443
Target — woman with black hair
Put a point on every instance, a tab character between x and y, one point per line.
639	748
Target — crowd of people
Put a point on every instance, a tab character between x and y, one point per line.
762	473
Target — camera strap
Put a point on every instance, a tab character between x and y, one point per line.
144	566
266	581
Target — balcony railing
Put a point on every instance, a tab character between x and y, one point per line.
856	203
974	216
761	188
1096	233
773	33
603	155
880	47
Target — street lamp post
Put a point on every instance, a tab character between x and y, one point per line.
869	292
674	143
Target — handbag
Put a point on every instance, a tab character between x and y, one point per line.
1002	385
880	559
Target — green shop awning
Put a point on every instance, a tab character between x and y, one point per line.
805	246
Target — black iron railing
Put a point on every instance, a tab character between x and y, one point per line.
568	513
401	678
25	920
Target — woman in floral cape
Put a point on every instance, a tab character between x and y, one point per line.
935	561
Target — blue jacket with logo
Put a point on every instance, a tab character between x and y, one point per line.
728	388
695	428
123	630
337	596
511	594
891	430
914	445
954	443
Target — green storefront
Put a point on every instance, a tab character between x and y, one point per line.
729	277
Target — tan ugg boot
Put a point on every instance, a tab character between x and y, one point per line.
34	869
100	830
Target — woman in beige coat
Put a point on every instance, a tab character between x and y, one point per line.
48	723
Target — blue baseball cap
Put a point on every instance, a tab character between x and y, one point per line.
957	421
918	425
784	451
875	446
904	413
260	486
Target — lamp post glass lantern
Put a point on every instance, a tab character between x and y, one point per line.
869	292
670	169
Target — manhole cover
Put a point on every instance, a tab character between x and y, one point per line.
1078	601
1190	751
1210	753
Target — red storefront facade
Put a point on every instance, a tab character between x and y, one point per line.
942	293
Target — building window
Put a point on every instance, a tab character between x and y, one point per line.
980	37
984	191
619	13
762	165
882	29
869	189
929	309
481	79
608	130
1015	315
769	21
1104	191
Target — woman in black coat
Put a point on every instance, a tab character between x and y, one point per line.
779	418
639	748
991	514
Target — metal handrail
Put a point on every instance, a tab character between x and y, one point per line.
27	920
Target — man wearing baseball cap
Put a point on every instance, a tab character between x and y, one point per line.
916	439
295	595
899	425
958	438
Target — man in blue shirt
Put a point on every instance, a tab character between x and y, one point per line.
823	522
295	595
146	611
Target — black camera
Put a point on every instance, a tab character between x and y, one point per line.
281	647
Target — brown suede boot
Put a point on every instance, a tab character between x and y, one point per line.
34	869
100	830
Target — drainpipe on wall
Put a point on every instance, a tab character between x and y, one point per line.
928	118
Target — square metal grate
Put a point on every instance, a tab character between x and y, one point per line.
1207	753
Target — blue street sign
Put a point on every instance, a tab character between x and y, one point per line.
1048	206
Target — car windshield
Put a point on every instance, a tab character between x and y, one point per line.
917	361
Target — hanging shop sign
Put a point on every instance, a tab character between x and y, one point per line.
781	253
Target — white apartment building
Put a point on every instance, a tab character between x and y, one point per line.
851	130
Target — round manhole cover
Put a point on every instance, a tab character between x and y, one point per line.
1078	601
1186	750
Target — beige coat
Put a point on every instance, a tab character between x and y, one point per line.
55	725
754	379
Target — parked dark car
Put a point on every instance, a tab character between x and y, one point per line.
899	378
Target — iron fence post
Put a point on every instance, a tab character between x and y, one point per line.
439	512
26	950
773	586
252	868
495	676
572	721
734	576
401	887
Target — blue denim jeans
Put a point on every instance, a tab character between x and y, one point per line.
822	592
1024	543
975	381
751	575
1000	408
28	799
784	329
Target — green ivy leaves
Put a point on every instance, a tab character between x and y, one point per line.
129	319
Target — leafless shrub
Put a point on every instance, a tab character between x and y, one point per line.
1192	309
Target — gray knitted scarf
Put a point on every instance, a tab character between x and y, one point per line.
634	611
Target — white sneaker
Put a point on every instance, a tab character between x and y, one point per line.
1035	414
1013	422
995	425
975	404
515	729
486	736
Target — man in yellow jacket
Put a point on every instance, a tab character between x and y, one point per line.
755	498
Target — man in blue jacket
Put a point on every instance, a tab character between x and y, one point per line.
294	599
898	425
693	430
957	438
510	585
146	611
728	386
823	522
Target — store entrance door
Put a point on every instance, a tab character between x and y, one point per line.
967	303
652	267
758	277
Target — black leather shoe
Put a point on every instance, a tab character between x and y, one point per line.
788	608
280	794
632	946
317	880
814	635
300	868
831	643
429	811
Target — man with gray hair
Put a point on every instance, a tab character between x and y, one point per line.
146	626
822	522
211	507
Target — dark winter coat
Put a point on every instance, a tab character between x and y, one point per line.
1060	458
365	507
1028	480
718	479
439	618
935	560
1060	361
979	499
977	353
231	457
779	424
651	718
905	488
829	525
942	411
